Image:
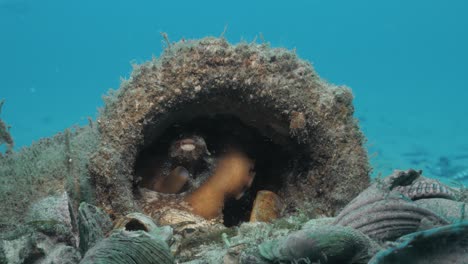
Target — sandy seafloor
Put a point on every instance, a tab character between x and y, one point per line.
404	60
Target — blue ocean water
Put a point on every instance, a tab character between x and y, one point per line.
406	62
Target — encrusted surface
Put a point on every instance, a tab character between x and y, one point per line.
271	90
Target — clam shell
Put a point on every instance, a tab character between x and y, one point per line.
325	244
138	221
385	215
182	221
454	211
94	224
267	207
446	244
124	247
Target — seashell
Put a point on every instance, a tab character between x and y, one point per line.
93	225
325	244
267	207
138	221
385	215
182	222
124	247
411	184
452	210
446	244
426	188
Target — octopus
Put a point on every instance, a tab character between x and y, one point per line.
232	176
172	172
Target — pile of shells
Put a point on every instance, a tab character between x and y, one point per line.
392	221
397	208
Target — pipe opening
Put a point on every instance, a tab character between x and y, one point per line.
187	156
135	225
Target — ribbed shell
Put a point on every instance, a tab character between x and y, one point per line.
139	221
94	224
447	244
325	244
182	221
426	188
454	211
124	247
385	216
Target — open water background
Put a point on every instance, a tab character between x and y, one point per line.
406	62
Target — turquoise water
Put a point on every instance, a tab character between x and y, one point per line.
404	60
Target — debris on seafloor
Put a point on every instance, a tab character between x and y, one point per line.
194	240
426	188
372	222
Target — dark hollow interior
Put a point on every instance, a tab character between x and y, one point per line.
273	161
135	225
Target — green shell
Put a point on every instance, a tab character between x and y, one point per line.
93	225
446	244
129	247
325	244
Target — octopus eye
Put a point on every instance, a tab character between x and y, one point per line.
187	146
